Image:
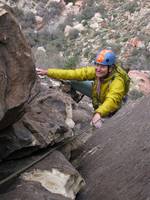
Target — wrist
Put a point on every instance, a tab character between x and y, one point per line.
47	72
97	114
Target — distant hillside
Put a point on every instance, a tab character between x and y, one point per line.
71	33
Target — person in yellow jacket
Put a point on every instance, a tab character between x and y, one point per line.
110	83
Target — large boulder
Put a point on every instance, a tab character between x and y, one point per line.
17	70
52	178
31	117
140	83
115	161
43	124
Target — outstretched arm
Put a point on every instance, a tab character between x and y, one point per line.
84	73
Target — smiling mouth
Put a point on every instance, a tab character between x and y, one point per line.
98	71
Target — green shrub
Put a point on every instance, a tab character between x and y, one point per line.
90	9
68	1
68	21
29	20
74	33
87	13
86	53
131	7
55	9
71	62
53	37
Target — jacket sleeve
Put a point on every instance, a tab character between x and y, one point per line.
84	73
113	98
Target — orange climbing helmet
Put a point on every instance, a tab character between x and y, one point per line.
105	57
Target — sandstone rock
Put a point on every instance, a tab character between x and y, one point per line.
53	178
67	30
31	116
79	27
136	42
140	81
17	71
43	124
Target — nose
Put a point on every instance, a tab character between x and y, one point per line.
99	67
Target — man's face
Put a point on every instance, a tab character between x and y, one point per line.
101	70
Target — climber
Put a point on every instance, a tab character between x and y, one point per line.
108	89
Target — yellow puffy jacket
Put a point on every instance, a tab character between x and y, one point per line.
112	89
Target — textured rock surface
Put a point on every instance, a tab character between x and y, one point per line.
115	161
140	83
17	71
31	117
42	124
53	178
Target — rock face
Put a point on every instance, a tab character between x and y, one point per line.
31	117
140	83
17	71
115	161
52	178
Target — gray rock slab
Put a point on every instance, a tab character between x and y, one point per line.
115	161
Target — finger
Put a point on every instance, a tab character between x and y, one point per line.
37	68
40	73
95	120
98	124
